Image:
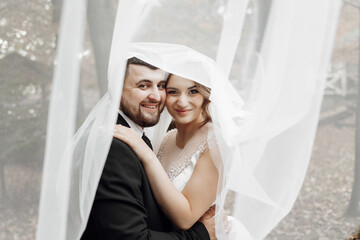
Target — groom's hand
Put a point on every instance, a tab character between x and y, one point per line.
209	222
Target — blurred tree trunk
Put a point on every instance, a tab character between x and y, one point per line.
2	180
353	208
56	17
354	205
264	8
101	19
56	14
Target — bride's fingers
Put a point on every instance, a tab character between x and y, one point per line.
117	130
119	136
118	127
125	134
121	130
124	130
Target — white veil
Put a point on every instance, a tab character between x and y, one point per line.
264	153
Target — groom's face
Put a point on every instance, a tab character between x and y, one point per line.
143	95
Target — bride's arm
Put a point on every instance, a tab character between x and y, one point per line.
183	208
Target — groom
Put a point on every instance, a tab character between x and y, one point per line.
124	205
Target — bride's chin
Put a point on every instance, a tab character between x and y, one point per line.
182	121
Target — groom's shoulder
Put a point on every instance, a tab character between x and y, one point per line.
121	158
120	149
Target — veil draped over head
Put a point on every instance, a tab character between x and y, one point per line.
264	137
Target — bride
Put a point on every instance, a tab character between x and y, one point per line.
184	174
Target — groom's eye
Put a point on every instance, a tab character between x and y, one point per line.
161	86
143	86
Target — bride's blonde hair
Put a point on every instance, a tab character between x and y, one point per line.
205	91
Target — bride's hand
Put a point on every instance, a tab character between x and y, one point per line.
131	138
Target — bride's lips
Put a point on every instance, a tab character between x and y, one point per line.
150	106
182	111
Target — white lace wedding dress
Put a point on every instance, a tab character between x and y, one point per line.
179	164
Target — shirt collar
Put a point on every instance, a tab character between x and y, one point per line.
132	124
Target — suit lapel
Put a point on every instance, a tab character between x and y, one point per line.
122	121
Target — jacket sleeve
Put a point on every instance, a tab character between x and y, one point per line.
118	210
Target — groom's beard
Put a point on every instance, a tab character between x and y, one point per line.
143	119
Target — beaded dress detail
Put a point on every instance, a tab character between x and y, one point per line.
179	163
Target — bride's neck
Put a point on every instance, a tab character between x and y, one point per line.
185	132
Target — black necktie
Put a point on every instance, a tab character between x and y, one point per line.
147	140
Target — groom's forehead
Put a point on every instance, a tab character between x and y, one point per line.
137	72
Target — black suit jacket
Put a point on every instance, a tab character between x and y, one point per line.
124	205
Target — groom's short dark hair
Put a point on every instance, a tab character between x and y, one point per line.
137	61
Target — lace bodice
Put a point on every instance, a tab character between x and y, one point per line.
179	163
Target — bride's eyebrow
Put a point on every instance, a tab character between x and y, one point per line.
173	88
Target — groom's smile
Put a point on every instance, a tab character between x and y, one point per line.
143	95
150	106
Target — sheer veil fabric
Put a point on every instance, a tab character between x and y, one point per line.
265	102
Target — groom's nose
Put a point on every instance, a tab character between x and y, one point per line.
154	95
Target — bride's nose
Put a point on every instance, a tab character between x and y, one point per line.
182	101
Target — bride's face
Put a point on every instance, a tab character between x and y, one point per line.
183	100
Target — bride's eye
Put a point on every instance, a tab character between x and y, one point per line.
193	91
171	92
